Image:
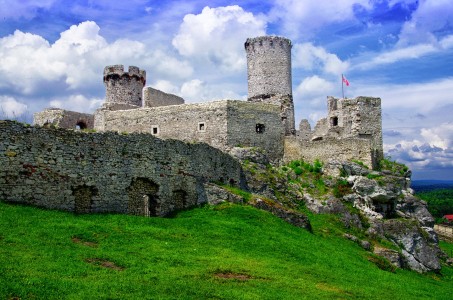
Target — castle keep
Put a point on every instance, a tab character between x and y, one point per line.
151	166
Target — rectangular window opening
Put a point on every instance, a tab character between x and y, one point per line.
334	121
201	126
155	130
260	128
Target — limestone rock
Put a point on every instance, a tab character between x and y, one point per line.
352	168
293	217
216	195
391	255
418	253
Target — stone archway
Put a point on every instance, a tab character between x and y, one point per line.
142	198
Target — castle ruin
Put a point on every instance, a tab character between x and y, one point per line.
351	130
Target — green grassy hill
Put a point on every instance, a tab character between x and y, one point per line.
222	252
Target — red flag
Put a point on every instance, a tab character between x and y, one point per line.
345	80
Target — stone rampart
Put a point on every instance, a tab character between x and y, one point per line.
155	98
107	172
327	149
221	124
63	119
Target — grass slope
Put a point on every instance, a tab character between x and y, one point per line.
223	252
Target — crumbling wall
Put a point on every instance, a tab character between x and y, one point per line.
63	119
155	98
107	172
329	149
221	124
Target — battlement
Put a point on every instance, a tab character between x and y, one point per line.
258	43
124	87
117	71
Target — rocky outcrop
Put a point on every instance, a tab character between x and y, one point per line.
417	251
293	217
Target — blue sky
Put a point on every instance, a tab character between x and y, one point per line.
52	54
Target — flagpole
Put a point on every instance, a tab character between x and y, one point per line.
342	83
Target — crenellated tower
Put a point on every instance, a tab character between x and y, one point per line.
124	88
269	75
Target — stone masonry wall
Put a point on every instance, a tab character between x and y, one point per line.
107	172
63	119
328	149
268	66
155	98
124	87
221	124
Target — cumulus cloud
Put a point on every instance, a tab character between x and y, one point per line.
217	36
304	18
31	66
196	90
431	17
78	103
314	86
432	148
11	108
310	57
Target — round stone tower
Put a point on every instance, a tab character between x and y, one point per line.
124	88
269	75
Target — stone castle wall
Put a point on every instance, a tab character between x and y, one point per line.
63	119
124	87
155	98
107	172
221	124
329	149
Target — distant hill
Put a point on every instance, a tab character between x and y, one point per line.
429	185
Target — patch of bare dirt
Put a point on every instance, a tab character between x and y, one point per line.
104	263
78	240
231	275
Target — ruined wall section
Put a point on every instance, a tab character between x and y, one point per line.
269	75
329	149
156	98
107	172
63	119
204	122
124	87
221	124
256	125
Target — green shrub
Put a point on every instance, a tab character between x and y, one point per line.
341	188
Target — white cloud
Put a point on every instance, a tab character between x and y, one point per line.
217	36
430	17
31	66
11	108
420	97
304	18
410	52
314	86
310	57
166	86
77	103
441	136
